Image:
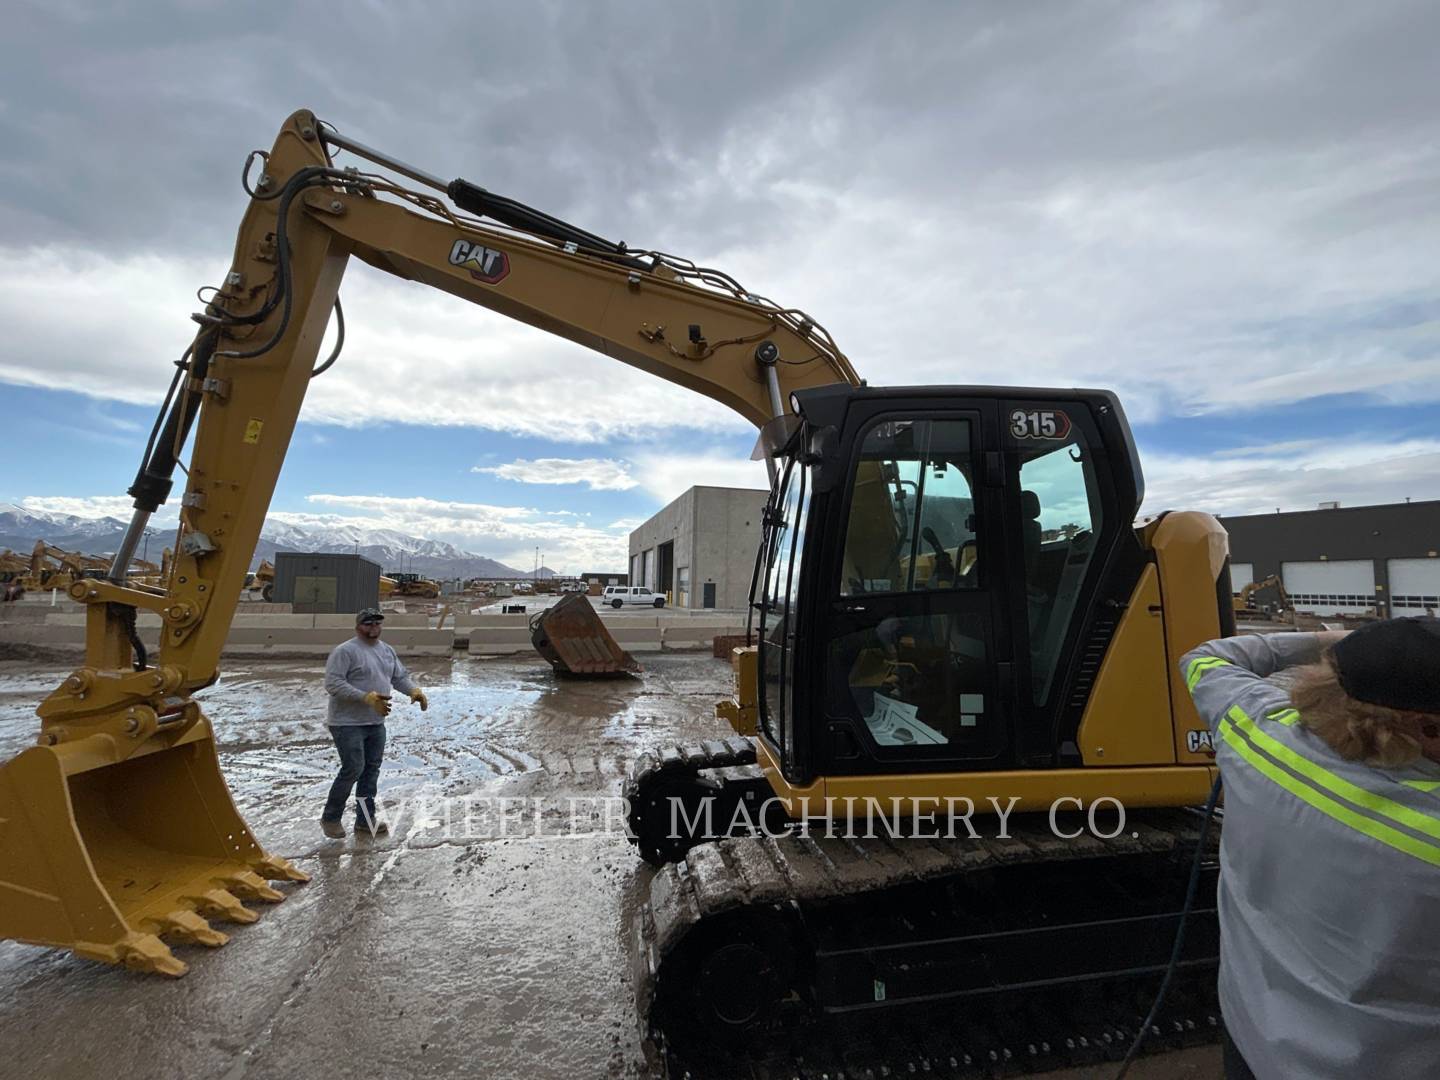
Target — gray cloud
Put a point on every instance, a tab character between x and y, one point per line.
1209	206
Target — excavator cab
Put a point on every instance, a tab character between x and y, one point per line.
942	567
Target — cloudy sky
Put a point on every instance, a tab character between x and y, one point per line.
1230	213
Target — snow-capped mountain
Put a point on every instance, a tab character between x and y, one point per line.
19	529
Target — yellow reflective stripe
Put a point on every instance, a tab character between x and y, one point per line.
1422	785
1199	666
1375	829
1288	717
1336	785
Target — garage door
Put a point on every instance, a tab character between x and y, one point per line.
1343	587
1415	586
1241	574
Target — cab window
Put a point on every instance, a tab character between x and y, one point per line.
912	514
1060	521
909	652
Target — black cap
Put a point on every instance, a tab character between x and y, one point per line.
1394	663
369	615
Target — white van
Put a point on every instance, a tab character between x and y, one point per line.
619	595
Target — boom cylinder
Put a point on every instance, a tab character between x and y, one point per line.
152	483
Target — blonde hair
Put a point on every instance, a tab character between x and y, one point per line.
1356	730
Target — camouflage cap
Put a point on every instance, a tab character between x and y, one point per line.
369	615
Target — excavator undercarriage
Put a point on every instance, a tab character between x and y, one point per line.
775	947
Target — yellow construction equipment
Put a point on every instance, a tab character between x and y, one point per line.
1245	599
263	580
13	571
395	585
954	604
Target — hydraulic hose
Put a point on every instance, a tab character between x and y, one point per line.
1170	969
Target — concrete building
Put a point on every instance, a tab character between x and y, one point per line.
603	578
1344	560
701	548
318	583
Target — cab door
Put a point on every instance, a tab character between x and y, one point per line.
917	664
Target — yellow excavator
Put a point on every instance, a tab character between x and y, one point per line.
1245	599
13	566
13	571
954	601
55	568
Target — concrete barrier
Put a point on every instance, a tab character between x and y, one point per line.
697	633
254	632
499	642
407	641
248	635
636	638
64	638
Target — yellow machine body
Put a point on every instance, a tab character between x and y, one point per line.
1135	736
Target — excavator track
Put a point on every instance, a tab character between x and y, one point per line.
722	770
820	955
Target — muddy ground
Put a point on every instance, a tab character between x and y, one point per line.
489	943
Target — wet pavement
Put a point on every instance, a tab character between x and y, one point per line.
488	936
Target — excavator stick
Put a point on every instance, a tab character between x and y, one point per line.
571	636
107	857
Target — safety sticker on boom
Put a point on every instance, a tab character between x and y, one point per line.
484	263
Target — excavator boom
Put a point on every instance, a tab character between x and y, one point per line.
127	830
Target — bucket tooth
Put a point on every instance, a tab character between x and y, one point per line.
220	904
274	868
189	928
136	951
248	885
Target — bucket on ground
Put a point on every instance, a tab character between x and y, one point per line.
571	636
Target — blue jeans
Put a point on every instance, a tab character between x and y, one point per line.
361	746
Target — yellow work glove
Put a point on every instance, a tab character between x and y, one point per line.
379	703
418	696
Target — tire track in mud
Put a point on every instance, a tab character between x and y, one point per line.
308	980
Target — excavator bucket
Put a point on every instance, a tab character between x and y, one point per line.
571	636
107	857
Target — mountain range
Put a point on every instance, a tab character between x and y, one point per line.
397	551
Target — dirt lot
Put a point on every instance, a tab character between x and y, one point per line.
473	947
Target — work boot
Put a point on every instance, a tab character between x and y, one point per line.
333	829
379	828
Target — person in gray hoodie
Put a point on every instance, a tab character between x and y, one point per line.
359	676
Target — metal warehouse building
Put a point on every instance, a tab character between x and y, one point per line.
321	584
700	549
1344	560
